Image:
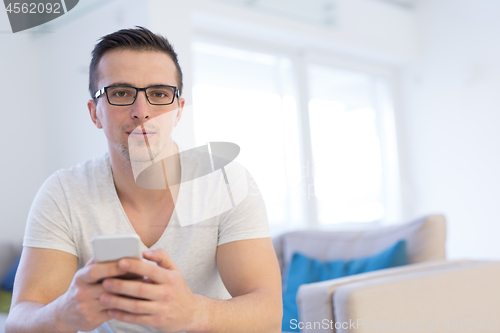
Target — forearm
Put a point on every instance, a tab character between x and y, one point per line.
258	311
34	317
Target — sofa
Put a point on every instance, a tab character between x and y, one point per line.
430	294
434	297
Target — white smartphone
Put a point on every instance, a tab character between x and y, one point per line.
114	247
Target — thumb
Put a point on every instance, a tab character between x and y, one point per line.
161	258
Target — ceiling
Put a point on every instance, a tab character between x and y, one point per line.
318	12
404	3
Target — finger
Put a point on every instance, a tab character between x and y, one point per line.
93	291
95	272
161	257
102	310
145	319
111	301
135	289
103	316
146	269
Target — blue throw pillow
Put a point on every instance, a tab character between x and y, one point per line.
8	280
307	270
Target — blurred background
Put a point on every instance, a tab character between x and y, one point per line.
349	113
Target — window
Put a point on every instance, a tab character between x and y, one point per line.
251	98
345	146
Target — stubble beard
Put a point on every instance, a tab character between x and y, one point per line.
138	151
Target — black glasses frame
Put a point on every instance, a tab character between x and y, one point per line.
104	90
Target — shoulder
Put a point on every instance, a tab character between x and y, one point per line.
85	176
96	168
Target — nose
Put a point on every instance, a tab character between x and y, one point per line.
141	108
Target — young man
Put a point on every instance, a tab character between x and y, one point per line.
219	274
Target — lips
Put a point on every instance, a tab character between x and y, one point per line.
141	133
138	131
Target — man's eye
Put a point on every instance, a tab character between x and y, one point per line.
120	93
159	94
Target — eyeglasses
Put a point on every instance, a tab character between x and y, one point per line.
126	95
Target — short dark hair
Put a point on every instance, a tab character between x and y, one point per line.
138	39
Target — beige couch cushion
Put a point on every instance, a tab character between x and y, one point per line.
423	301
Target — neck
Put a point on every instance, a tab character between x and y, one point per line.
125	182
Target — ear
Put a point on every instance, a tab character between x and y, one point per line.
93	113
179	111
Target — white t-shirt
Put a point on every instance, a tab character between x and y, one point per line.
75	204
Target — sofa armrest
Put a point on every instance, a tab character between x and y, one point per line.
9	251
315	299
465	296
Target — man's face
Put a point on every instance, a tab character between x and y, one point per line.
123	125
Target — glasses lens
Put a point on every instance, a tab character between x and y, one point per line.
161	94
121	95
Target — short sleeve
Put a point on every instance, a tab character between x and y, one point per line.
49	222
248	219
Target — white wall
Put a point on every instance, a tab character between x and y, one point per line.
50	127
22	139
451	122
